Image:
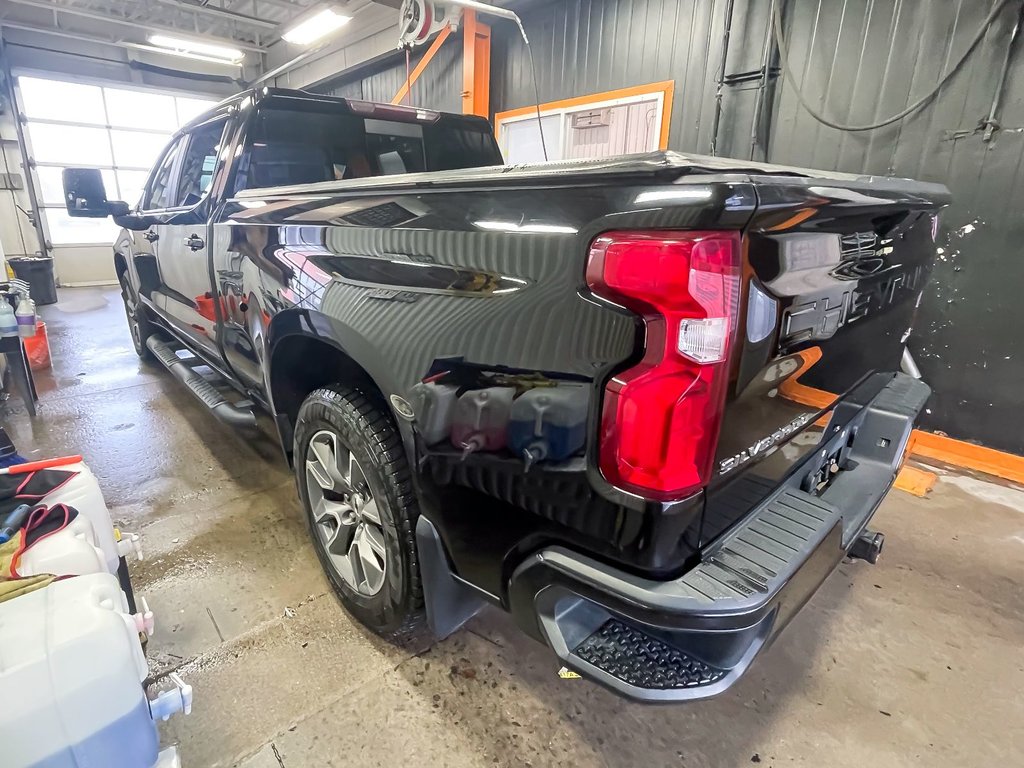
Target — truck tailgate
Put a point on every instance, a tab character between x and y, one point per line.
835	271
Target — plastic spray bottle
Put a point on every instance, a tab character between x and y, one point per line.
8	321
26	317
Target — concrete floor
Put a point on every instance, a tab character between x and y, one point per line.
916	660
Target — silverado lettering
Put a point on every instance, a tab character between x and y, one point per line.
763	445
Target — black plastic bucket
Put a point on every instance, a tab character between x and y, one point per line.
37	271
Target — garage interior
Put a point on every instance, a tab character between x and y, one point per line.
915	659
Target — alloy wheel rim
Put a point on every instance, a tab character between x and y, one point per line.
345	514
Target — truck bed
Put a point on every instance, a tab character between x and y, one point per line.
664	166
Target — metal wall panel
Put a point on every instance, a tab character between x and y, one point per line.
861	61
439	87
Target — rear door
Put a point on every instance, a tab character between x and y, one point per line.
835	272
185	295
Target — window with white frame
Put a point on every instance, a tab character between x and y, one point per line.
622	122
118	130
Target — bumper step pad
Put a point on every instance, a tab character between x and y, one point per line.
638	659
692	637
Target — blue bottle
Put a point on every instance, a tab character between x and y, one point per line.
549	423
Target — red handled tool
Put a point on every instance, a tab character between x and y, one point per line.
32	466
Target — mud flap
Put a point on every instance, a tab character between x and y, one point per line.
450	602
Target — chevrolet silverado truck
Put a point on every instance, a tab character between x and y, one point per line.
644	404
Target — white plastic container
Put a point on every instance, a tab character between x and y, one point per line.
480	422
83	493
71	551
71	672
434	406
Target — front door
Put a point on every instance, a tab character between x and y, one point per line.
158	200
185	296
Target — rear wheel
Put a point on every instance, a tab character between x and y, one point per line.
360	508
139	324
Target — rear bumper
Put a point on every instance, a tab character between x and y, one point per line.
694	636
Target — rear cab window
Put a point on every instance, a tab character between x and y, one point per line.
325	141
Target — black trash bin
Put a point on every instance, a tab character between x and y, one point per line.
37	271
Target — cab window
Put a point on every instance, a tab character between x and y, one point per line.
161	183
316	142
199	163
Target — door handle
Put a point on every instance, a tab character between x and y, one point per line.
151	236
195	242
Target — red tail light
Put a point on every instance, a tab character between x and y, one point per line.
660	421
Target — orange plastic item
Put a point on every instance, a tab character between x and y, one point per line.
38	348
32	466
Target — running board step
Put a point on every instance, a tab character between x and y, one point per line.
230	413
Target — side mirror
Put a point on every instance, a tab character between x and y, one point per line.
85	196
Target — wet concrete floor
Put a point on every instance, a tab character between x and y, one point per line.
916	661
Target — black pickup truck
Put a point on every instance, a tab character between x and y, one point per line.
644	404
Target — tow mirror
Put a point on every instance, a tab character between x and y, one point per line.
85	196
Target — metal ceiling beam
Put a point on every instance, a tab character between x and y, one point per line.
219	13
145	26
4	24
285	4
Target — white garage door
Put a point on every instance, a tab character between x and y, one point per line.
118	130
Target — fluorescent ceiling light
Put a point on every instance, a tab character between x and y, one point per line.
184	54
316	26
181	46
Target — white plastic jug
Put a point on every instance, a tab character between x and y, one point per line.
71	669
83	493
434	406
71	551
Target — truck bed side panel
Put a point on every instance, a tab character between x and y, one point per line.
483	285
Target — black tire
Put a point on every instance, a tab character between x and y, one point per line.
140	327
396	611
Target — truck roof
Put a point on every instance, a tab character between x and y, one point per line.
284	96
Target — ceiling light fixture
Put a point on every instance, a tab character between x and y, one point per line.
315	26
196	49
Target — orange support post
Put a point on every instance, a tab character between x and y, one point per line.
476	66
418	69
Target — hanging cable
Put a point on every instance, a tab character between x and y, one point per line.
787	72
408	79
536	96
